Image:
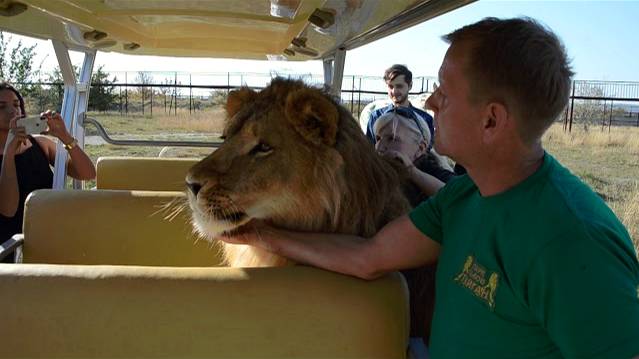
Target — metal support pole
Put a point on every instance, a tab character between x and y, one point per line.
338	72
74	105
334	72
328	71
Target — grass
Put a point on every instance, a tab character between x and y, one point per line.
210	121
607	161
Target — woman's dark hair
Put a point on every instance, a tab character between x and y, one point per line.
7	86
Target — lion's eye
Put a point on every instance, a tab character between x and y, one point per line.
261	149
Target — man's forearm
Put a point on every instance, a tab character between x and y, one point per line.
335	252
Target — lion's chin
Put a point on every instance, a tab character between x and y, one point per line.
212	227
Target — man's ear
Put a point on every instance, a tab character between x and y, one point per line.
237	99
313	116
423	148
496	118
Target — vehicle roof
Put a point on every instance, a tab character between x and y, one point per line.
243	29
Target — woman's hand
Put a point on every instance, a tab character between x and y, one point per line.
57	127
16	137
399	157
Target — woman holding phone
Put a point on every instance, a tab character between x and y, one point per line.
25	159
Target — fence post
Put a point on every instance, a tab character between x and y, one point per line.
603	116
610	120
143	98
126	95
572	106
190	94
175	93
151	100
359	96
352	92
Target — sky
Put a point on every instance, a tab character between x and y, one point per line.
600	38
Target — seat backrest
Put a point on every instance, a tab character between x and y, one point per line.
80	311
136	173
112	227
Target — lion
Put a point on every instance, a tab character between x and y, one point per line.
294	157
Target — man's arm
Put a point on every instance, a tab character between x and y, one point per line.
398	245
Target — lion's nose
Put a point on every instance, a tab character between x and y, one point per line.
194	187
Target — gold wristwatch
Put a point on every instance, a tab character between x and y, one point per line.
69	146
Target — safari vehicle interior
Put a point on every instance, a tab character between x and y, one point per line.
116	278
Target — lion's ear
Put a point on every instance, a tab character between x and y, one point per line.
314	116
237	99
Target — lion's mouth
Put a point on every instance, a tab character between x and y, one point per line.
232	217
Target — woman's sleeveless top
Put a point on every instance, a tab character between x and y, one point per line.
33	171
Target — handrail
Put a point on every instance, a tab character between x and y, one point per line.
105	136
11	245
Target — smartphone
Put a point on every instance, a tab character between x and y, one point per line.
33	124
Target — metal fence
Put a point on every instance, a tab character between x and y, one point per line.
602	103
152	93
592	103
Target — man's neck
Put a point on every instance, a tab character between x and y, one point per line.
505	169
403	104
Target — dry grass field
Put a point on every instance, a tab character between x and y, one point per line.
607	161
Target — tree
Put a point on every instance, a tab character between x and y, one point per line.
146	92
51	97
16	63
17	67
102	96
589	112
144	78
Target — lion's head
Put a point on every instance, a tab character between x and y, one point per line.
295	157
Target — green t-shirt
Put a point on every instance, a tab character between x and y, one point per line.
542	270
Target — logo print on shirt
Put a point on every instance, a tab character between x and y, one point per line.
481	283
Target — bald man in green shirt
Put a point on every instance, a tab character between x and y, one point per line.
531	262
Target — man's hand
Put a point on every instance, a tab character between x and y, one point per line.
252	233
